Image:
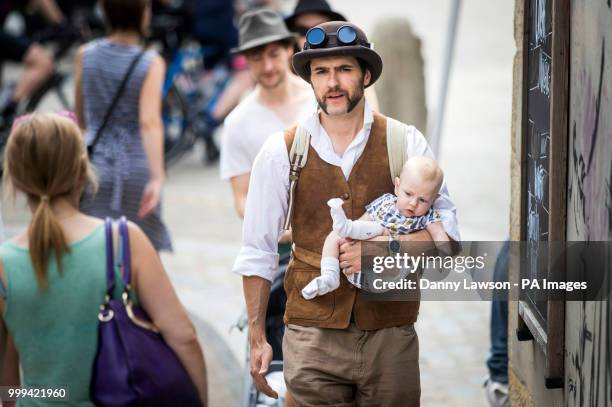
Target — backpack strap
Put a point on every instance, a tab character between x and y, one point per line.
396	146
297	160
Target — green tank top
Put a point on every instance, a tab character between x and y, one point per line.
55	329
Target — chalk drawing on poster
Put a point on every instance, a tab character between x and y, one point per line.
544	74
540	21
540	183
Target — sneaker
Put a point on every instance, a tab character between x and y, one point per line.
497	393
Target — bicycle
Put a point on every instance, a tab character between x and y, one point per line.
188	90
53	92
83	25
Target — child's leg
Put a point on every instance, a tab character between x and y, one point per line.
331	246
329	279
341	224
361	229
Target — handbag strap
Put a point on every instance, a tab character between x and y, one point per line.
124	253
110	258
126	258
118	93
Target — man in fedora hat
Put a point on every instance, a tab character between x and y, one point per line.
309	13
339	349
277	101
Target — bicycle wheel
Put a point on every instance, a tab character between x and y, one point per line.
177	140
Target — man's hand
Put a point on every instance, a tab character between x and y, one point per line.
256	294
350	253
261	356
350	250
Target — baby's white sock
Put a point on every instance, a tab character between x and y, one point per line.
355	229
341	224
328	281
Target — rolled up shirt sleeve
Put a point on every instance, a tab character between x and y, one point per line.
417	145
265	211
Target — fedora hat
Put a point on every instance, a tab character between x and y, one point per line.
360	49
313	6
260	27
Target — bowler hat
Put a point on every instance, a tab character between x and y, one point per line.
313	6
260	27
360	49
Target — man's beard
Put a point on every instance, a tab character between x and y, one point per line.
281	79
353	100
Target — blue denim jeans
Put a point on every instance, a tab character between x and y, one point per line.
498	356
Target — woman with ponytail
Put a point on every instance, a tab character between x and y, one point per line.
52	276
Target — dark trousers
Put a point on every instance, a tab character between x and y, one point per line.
498	357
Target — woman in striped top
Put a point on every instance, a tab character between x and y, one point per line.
128	156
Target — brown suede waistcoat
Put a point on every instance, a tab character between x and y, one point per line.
320	181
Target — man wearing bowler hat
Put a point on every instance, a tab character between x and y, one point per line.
309	13
279	99
339	350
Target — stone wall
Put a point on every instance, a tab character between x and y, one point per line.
589	205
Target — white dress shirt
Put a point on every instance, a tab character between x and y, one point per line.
266	205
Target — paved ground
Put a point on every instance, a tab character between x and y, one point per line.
475	155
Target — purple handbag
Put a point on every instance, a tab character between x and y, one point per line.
134	365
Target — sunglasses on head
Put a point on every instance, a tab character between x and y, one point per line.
316	37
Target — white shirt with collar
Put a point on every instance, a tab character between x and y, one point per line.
266	204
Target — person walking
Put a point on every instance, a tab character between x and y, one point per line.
123	124
279	99
496	384
37	62
310	13
53	275
339	349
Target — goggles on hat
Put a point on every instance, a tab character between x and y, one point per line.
316	37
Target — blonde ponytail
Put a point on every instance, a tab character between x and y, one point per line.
45	236
45	158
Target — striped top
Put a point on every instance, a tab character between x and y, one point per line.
119	158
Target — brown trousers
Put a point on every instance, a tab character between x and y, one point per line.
351	367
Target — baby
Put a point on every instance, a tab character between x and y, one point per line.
409	210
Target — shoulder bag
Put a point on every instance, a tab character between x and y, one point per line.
134	365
